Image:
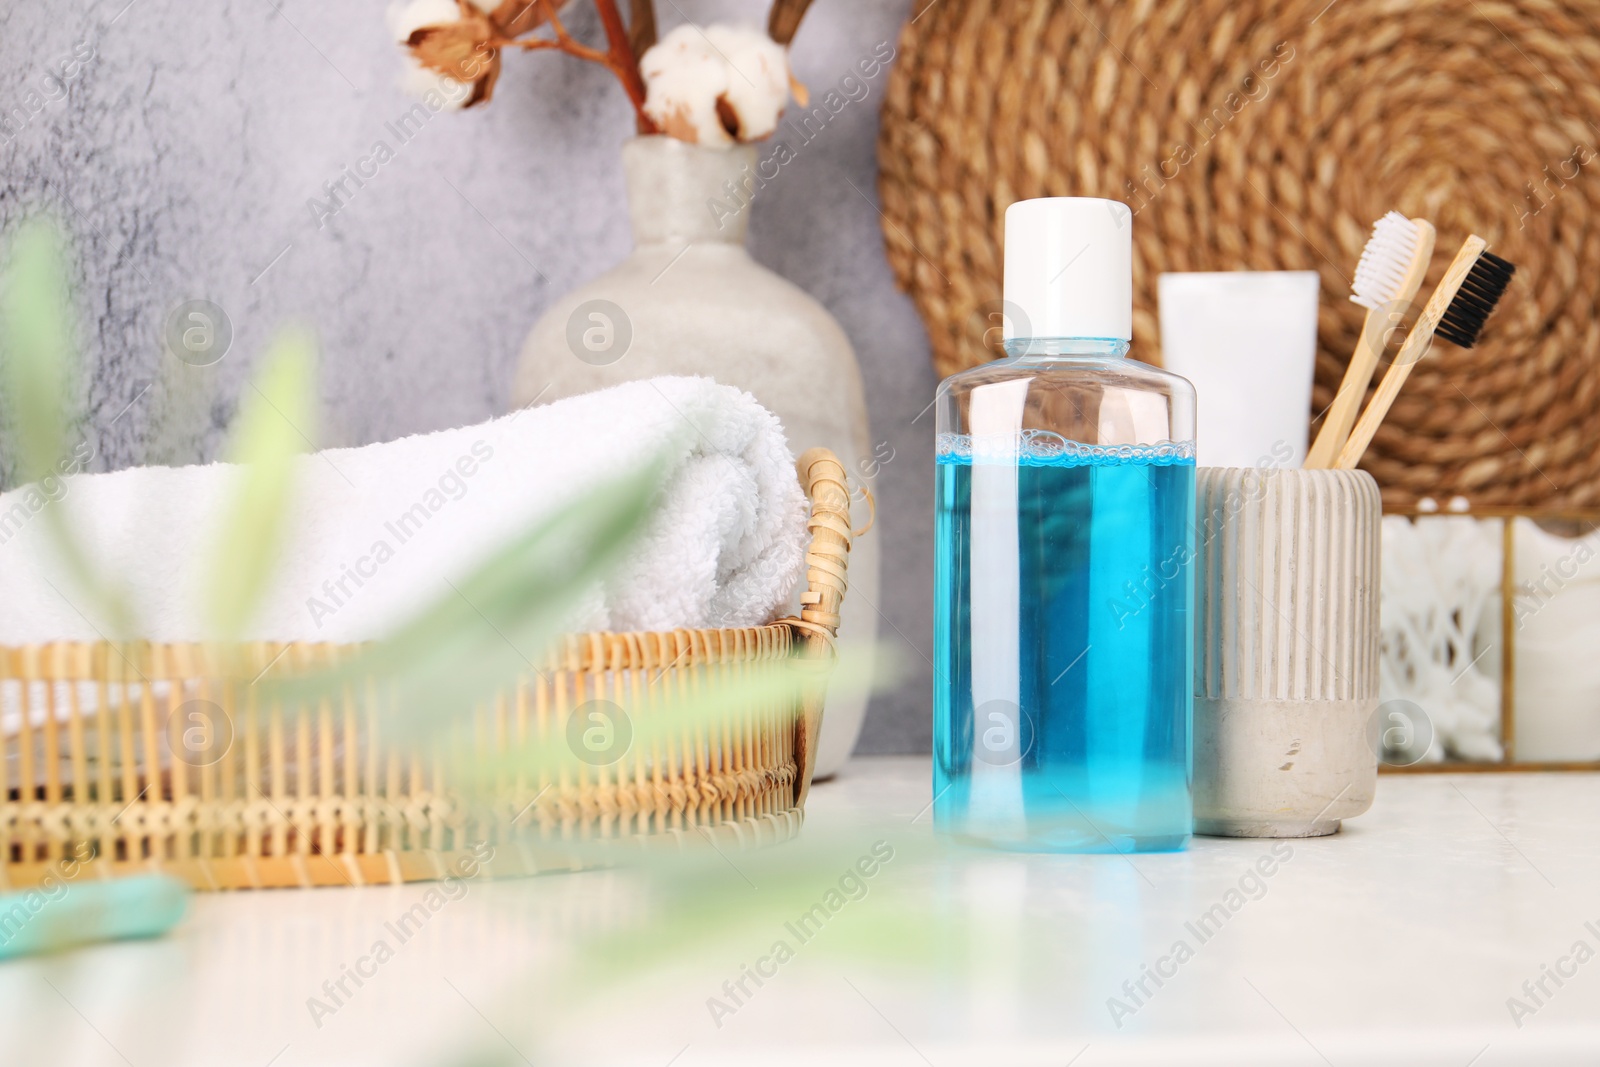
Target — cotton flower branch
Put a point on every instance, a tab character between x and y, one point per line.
715	86
618	57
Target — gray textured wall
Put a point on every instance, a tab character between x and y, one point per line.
183	154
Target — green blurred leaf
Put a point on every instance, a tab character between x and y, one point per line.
723	903
39	353
668	712
39	365
275	421
495	624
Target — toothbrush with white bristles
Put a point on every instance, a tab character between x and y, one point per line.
1387	279
1457	310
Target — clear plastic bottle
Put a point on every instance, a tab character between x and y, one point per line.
1065	522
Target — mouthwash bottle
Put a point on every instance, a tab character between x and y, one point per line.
1064	599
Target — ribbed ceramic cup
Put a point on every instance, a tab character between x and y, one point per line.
1286	656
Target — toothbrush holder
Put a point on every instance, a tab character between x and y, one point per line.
1286	656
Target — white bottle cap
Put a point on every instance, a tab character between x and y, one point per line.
1069	268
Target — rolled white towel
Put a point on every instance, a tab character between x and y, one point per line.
375	532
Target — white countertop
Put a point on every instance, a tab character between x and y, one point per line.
1397	941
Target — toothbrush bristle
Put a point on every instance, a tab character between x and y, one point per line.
1385	260
1486	282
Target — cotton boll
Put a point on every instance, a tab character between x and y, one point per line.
684	78
449	50
715	86
417	81
407	18
758	84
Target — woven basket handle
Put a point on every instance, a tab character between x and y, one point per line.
827	558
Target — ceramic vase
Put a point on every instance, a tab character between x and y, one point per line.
690	300
1286	650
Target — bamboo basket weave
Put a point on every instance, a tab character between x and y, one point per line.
313	797
1266	135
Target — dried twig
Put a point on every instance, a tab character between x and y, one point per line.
623	61
785	19
618	57
641	27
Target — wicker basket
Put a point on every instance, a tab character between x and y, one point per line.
304	797
1266	135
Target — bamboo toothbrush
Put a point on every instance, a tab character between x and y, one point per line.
1456	311
1387	279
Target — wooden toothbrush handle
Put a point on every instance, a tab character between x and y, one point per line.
1415	347
1352	390
1341	413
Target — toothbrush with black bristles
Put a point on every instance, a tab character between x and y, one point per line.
1456	312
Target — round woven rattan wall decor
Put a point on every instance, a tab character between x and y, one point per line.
1252	135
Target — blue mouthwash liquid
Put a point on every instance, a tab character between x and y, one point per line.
1063	645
